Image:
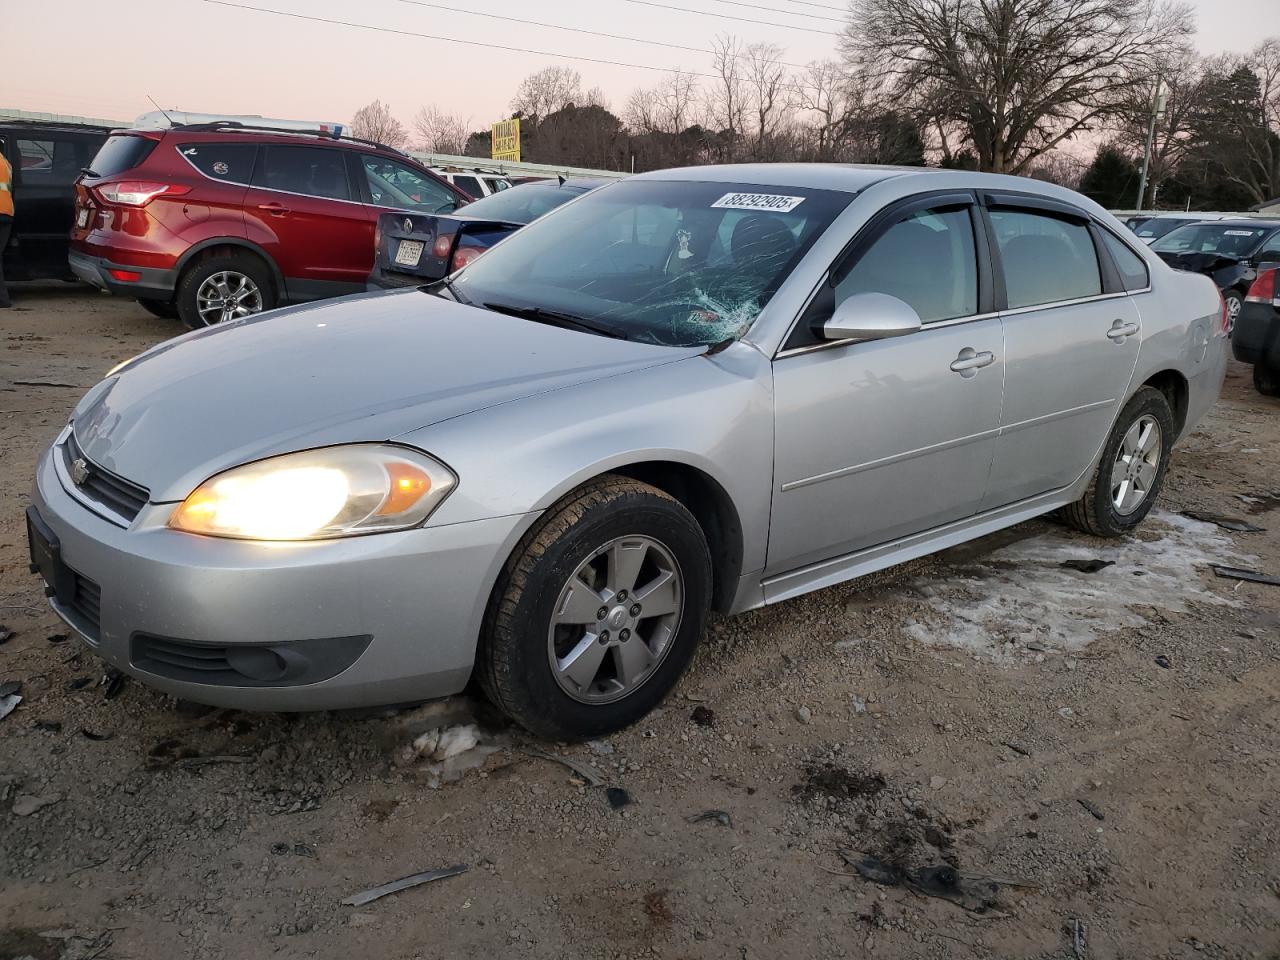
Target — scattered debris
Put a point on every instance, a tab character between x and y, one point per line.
6	634
1016	747
617	797
79	683
379	810
937	783
56	638
1163	661
1077	939
1066	713
46	383
703	716
1092	808
9	687
115	682
977	894
49	726
859	704
297	849
804	714
585	772
404	883
1226	523
719	816
828	780
25	804
1087	566
188	763
456	740
96	737
600	748
1239	573
9	703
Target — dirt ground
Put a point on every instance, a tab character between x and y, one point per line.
1105	745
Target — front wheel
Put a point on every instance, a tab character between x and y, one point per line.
598	612
1131	470
1266	380
222	288
1234	300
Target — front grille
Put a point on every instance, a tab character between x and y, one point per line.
86	604
118	495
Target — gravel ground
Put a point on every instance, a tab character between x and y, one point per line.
1103	744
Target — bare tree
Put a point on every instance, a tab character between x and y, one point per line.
375	122
770	93
1240	126
726	99
1183	79
1022	75
440	132
548	90
824	89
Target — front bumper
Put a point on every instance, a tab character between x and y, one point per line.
152	283
406	606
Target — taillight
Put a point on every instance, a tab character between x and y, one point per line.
138	193
377	236
1264	288
442	245
463	256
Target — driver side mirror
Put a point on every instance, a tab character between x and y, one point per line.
871	316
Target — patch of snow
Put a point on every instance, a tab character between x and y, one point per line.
1021	596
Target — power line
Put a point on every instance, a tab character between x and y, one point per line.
820	6
583	30
785	13
725	16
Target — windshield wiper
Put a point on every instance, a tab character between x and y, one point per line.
557	319
447	283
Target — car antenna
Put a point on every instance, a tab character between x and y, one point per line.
560	177
160	108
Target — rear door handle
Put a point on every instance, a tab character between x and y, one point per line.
971	361
1121	331
273	208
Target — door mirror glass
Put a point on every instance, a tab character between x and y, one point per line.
871	316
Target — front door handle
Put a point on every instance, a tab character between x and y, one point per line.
273	208
971	361
1121	331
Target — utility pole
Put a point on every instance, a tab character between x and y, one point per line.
1158	101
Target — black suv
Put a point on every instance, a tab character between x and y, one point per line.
46	159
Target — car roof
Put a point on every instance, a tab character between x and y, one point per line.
848	177
49	126
224	134
1245	222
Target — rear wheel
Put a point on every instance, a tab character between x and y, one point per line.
165	309
222	288
1235	303
598	612
1131	470
1266	379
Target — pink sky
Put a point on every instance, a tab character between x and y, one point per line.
193	55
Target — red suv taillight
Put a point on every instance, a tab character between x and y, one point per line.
1264	288
138	193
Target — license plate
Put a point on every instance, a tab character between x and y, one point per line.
82	217
409	253
46	557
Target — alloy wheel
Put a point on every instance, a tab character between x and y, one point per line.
615	620
227	295
1137	465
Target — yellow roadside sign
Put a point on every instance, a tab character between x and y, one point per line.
506	140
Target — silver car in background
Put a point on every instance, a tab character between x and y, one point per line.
710	388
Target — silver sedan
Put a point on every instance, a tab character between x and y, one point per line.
694	390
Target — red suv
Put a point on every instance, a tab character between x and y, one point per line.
209	222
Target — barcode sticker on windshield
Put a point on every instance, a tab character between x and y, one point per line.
1237	233
758	201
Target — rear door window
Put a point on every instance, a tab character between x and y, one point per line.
1046	259
310	171
121	152
398	185
927	260
51	162
228	162
470	184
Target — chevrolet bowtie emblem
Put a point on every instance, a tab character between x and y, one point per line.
79	472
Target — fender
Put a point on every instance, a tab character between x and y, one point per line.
276	276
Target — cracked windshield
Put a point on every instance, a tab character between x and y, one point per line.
671	263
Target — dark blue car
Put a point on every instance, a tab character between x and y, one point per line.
417	248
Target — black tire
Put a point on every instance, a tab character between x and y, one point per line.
1234	300
1096	512
242	263
165	309
1266	379
512	664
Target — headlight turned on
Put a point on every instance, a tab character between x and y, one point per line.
318	495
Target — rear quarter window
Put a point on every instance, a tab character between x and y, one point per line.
120	153
1133	270
229	162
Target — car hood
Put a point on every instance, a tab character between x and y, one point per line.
1206	263
367	368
